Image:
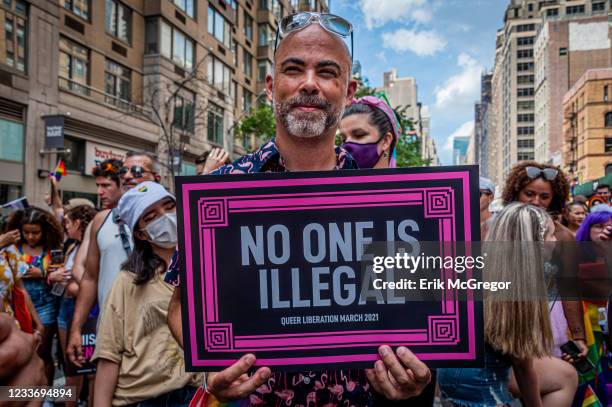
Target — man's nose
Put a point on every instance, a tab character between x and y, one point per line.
310	86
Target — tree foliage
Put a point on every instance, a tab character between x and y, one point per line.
260	122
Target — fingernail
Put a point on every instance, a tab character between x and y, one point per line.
249	359
379	365
266	375
401	350
384	350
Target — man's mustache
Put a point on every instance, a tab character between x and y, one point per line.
312	101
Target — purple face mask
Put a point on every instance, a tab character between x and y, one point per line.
366	155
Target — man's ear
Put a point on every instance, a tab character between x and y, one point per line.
157	178
269	87
350	91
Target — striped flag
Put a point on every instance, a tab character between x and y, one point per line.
60	171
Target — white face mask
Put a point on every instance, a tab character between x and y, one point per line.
163	232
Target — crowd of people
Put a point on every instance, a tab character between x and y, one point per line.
65	265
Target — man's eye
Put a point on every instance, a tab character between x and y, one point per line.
292	69
329	73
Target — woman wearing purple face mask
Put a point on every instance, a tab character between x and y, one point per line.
369	131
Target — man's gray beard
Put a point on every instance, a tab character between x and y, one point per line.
307	125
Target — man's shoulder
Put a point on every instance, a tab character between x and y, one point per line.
99	219
250	163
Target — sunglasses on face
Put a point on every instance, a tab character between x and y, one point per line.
136	170
548	173
330	22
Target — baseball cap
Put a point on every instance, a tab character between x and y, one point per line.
140	198
487	185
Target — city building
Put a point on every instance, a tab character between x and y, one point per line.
587	127
495	117
460	149
514	83
482	113
170	77
574	37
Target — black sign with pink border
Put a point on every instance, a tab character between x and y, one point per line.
228	306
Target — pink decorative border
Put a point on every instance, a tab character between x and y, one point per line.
438	203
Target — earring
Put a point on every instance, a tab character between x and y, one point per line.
385	154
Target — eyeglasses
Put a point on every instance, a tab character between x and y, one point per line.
136	170
549	173
330	22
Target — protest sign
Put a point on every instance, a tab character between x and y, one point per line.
274	264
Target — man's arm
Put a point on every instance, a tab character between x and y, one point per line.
174	316
88	291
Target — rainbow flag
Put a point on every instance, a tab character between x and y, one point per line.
60	171
590	399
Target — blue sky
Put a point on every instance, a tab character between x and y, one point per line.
444	44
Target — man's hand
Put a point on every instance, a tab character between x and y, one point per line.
233	383
398	378
74	349
9	238
19	362
216	158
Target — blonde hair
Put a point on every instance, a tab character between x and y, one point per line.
518	324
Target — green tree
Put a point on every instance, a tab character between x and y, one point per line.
409	146
260	122
363	87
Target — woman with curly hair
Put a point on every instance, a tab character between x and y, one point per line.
546	187
40	233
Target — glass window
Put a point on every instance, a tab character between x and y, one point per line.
78	7
218	26
184	111
73	66
13	45
10	192
118	83
188	168
599	7
574	9
277	9
263	4
263	39
118	20
235	52
215	124
151	37
219	75
248	26
75	160
176	46
187	6
608	119
263	69
11	147
248	63
166	40
247	100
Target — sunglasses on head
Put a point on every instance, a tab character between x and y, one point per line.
548	173
107	167
330	22
136	170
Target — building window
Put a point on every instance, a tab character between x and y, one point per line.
525	131
525	143
524	92
188	6
118	83
174	45
569	10
263	69
524	53
552	12
608	145
10	192
605	95
73	66
11	145
248	63
232	3
525	41
184	111
75	160
264	37
215	124
599	7
525	117
218	27
562	51
78	7
248	25
118	20
525	156
233	87
608	119
530	7
524	66
235	53
525	27
219	75
263	4
277	9
525	79
13	45
247	100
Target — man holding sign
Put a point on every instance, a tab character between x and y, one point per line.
310	88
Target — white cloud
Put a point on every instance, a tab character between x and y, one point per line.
422	43
463	88
466	129
379	12
381	57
